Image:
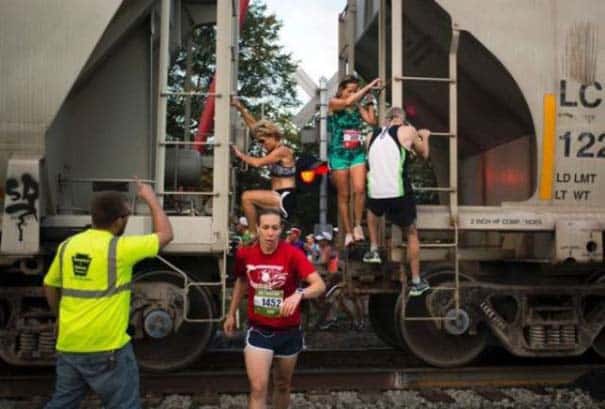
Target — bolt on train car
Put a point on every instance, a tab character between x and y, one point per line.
513	94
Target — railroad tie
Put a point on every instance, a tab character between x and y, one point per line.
537	390
492	394
436	396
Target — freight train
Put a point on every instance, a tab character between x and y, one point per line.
512	92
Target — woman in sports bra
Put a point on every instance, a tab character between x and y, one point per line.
282	168
346	153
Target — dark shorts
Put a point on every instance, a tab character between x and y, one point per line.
400	210
284	344
287	201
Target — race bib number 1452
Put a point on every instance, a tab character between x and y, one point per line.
268	302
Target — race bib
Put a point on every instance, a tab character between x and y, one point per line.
268	302
351	138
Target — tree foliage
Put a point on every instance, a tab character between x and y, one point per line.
266	81
266	84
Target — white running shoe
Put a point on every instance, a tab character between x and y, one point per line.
372	256
420	288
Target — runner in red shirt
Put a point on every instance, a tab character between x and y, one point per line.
271	271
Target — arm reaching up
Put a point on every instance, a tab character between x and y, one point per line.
161	224
248	118
338	104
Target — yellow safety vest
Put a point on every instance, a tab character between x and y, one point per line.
94	271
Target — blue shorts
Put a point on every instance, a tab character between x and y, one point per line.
284	344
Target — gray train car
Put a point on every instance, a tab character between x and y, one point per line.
83	109
513	92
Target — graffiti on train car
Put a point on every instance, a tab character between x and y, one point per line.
23	194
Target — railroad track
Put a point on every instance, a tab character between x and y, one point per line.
325	371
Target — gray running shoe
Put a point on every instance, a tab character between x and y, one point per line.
420	288
372	256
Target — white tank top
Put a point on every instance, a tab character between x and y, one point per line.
386	162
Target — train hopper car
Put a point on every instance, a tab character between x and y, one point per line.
513	250
514	96
83	109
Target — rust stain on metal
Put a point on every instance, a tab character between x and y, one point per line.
580	58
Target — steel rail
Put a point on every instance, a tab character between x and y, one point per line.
326	379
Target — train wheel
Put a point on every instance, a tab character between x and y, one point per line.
441	343
381	311
163	341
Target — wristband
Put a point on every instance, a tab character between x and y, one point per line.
301	292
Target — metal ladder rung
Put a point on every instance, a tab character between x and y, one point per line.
203	320
435	189
178	193
430	319
188	94
426	79
204	283
188	143
432	245
64	180
443	288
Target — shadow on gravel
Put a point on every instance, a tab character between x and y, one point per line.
592	383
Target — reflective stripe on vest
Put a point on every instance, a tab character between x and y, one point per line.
111	276
61	252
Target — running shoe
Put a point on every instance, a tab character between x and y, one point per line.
372	256
420	288
349	239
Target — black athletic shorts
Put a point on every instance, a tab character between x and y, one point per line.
399	210
287	201
283	343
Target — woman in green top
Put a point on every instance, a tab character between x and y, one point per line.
346	153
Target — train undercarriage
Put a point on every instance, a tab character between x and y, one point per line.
172	319
491	113
546	315
532	310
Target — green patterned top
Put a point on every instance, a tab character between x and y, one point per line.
338	121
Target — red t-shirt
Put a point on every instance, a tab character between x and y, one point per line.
271	279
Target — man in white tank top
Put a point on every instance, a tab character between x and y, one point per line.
389	187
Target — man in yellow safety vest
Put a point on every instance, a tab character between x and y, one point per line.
88	287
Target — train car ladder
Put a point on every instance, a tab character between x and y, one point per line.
226	17
452	134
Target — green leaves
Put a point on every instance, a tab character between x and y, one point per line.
266	81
